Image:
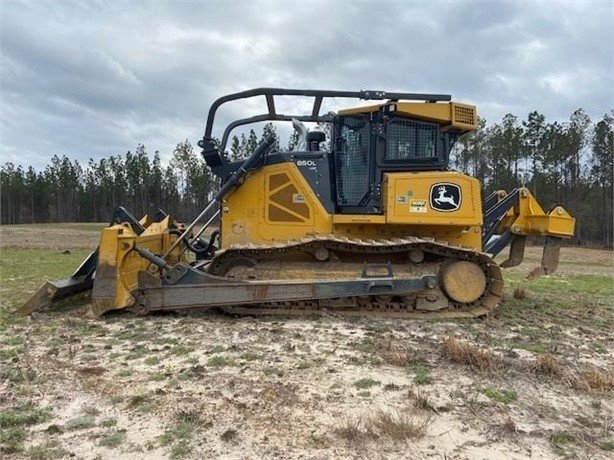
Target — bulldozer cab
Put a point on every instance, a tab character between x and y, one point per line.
397	135
368	145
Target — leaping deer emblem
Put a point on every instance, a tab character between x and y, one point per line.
442	198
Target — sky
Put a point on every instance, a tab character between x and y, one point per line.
96	78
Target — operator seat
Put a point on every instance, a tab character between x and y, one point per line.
314	138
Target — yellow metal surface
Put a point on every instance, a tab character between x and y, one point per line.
276	203
452	114
341	219
528	218
463	281
407	198
118	265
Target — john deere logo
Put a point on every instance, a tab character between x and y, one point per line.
446	197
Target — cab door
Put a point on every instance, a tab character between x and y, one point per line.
357	191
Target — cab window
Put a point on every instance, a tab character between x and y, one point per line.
410	140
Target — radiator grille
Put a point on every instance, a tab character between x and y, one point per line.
464	114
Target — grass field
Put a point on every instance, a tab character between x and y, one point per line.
535	379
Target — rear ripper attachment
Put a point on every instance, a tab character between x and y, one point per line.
510	218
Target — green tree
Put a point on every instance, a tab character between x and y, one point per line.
534	129
602	169
578	136
472	152
293	141
12	193
251	144
235	149
155	185
194	179
505	152
268	130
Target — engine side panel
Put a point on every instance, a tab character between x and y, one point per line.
274	203
277	204
432	198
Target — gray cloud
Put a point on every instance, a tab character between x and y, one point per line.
90	79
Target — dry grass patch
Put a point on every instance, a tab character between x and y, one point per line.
352	430
191	416
230	435
394	426
549	365
470	355
396	357
399	426
591	378
395	352
507	427
421	402
594	379
94	371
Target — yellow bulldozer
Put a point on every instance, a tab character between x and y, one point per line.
364	218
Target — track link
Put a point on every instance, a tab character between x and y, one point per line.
320	253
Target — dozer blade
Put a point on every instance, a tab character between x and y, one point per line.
81	280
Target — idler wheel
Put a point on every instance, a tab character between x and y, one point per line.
463	281
322	254
416	256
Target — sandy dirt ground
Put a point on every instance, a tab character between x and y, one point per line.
534	380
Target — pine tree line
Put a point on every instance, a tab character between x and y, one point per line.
66	191
569	163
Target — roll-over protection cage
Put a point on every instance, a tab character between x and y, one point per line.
213	151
